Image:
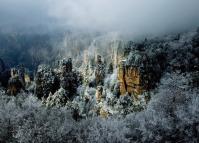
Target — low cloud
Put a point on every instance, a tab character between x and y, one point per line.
136	17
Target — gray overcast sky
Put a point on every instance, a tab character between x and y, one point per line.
124	16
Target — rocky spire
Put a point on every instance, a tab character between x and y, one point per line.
99	71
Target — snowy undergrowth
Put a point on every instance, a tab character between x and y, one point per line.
171	115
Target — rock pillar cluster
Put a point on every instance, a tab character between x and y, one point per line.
16	81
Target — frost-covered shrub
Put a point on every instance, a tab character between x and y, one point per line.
58	99
25	119
111	80
102	130
85	104
111	98
125	101
45	81
171	115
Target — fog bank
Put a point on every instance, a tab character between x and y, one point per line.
134	17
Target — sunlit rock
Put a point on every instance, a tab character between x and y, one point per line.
15	83
103	113
99	92
139	72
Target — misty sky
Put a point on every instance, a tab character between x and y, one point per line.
124	16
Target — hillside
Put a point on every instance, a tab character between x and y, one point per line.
107	90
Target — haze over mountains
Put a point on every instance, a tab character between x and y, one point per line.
130	17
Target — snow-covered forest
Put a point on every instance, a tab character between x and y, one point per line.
70	112
171	115
99	71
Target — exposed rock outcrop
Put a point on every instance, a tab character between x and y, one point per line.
99	71
140	71
15	83
98	94
130	80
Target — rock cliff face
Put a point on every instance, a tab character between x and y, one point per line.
130	80
139	71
